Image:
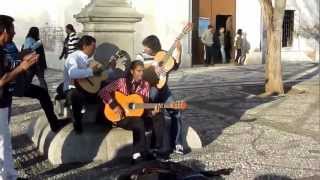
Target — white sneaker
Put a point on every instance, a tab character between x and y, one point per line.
179	149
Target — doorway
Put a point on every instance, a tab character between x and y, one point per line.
219	13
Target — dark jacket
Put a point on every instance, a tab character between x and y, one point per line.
5	67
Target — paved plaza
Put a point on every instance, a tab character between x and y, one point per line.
259	138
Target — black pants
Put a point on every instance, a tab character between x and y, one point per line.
237	60
43	96
209	55
78	99
138	127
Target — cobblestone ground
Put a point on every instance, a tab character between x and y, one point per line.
260	138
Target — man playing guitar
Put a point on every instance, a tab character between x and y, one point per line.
133	83
152	46
77	66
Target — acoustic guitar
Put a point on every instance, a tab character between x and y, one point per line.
92	84
165	62
134	106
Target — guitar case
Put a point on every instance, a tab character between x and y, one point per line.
171	171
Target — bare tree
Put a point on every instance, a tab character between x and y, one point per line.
273	19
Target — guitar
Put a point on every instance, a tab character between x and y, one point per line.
165	63
134	106
92	84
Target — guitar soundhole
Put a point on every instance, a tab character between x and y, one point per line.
131	106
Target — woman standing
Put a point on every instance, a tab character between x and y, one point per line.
70	43
33	42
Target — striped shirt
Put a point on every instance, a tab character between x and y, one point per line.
141	88
73	41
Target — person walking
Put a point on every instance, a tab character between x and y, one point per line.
222	44
33	42
238	46
207	40
71	42
8	72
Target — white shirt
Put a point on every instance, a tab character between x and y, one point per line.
76	67
207	38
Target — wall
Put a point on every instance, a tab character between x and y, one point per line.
306	30
57	13
164	18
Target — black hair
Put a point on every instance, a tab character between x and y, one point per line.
239	31
86	40
133	65
210	26
34	33
70	27
6	22
153	43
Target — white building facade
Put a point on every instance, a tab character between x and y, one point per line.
165	18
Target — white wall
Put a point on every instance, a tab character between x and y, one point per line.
164	18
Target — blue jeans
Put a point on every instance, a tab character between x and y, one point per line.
165	96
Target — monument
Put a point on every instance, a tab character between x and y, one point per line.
111	21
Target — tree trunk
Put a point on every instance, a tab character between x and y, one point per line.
274	84
273	19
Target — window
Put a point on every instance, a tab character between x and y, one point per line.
288	28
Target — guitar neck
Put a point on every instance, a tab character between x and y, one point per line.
173	47
152	106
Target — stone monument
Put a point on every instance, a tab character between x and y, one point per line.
110	21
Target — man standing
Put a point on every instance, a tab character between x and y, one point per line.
77	66
8	72
207	40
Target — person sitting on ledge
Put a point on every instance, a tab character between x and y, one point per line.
78	66
134	84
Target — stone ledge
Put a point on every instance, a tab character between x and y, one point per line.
95	144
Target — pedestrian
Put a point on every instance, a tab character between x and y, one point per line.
207	40
238	46
33	42
222	41
245	48
8	72
71	42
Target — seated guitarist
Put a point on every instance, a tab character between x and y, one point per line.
134	84
152	46
77	67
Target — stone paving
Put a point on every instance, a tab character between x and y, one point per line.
260	138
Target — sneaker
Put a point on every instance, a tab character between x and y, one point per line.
179	149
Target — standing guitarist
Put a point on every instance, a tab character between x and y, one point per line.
134	84
77	66
152	46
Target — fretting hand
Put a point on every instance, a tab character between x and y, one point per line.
156	109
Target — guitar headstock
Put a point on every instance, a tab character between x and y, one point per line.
187	28
182	105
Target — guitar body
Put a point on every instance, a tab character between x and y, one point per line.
92	84
166	63
125	102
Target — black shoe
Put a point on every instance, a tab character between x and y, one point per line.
137	160
19	178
